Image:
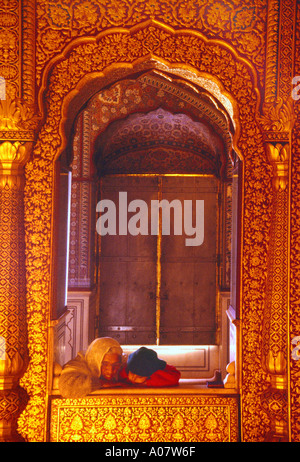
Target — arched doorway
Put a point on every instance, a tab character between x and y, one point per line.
84	62
154	136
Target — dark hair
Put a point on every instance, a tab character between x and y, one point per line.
144	362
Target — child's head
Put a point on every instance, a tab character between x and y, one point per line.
142	364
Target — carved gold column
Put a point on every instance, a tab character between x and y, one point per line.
13	333
277	120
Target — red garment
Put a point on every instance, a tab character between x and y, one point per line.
167	377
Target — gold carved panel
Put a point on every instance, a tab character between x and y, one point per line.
241	23
294	313
145	418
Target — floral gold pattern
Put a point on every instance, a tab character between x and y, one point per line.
145	418
244	26
294	311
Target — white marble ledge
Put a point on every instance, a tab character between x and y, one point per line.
186	386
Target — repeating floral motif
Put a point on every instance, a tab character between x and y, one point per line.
142	418
295	255
9	46
12	315
150	93
13	335
244	26
122	138
237	79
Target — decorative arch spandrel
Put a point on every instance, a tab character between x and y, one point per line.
244	24
87	57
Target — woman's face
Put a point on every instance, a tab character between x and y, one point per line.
134	378
110	366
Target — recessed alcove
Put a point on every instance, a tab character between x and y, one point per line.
152	135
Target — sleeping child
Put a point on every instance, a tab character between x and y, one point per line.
144	368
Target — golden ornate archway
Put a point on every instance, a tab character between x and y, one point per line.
81	62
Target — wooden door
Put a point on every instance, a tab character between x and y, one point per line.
189	273
128	270
154	288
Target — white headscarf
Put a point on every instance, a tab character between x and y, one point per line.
97	350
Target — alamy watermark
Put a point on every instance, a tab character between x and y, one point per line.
2	348
139	222
296	89
2	88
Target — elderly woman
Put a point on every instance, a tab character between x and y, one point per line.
99	367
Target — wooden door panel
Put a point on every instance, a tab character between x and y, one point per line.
127	301
188	281
188	300
141	313
128	269
177	309
113	298
205	300
192	189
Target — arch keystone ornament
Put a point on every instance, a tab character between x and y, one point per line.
64	78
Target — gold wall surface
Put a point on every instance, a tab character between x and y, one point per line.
140	417
294	309
53	56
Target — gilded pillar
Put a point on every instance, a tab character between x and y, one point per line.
278	121
13	332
